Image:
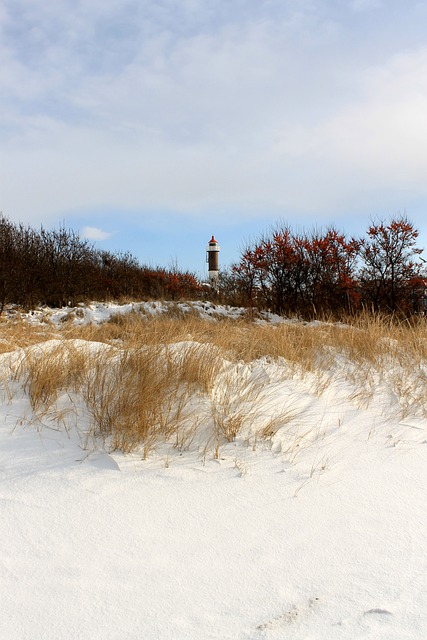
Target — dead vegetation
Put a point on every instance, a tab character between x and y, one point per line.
183	380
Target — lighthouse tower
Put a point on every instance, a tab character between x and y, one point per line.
212	252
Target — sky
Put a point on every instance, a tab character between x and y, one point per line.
150	126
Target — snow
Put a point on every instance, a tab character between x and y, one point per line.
319	534
98	312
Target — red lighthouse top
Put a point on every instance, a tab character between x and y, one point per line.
212	240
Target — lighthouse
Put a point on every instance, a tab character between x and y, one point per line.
212	252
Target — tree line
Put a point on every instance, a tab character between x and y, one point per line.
307	274
58	268
325	272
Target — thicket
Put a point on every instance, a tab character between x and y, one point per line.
326	273
57	267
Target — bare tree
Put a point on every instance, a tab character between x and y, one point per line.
388	254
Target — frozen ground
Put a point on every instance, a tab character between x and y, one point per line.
321	539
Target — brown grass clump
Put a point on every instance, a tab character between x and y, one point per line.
59	365
141	395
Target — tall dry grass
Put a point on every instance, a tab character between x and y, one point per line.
173	378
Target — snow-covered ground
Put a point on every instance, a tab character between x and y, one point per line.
320	534
99	312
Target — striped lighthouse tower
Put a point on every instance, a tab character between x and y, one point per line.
212	252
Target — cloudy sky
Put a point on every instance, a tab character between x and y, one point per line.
151	125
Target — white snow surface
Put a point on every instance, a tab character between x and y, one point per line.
320	534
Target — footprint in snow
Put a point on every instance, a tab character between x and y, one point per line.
381	612
291	616
377	614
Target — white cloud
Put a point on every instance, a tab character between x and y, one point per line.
93	233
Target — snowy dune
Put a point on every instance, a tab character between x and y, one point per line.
319	533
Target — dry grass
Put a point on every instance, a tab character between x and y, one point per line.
47	371
140	386
18	334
